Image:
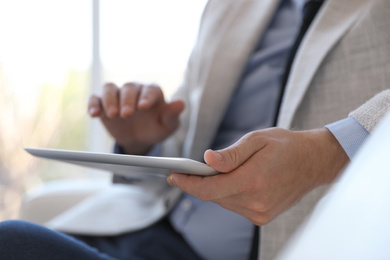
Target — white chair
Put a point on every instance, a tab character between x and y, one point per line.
44	203
352	222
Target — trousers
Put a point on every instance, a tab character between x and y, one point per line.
26	240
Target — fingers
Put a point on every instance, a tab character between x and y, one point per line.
207	188
128	96
94	106
135	96
126	100
107	105
230	158
219	189
110	100
149	96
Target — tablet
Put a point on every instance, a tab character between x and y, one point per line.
126	165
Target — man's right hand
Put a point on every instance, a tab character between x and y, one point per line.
136	115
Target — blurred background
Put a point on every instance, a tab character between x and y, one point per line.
54	54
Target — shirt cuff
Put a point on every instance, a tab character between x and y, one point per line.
155	151
118	149
350	134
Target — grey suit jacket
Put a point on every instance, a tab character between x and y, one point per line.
343	61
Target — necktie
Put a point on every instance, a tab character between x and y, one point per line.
309	11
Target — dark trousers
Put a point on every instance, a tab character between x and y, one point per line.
25	240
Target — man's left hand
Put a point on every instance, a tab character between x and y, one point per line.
267	171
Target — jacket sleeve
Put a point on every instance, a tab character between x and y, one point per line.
372	112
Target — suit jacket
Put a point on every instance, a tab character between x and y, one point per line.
343	60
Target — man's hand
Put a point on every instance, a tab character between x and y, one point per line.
136	115
266	172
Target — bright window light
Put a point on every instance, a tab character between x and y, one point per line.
45	75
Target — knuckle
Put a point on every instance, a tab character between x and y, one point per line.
109	90
131	85
152	89
251	135
254	138
93	99
257	207
233	154
153	86
261	219
109	86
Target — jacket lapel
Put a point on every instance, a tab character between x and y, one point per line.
332	22
233	42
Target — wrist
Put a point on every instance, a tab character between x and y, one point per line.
133	149
327	154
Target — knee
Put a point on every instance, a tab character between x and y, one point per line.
17	239
12	229
11	226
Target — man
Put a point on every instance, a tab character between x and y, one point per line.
331	76
232	86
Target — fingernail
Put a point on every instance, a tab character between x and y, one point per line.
92	111
126	111
143	102
171	180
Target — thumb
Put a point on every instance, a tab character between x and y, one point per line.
232	157
170	117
